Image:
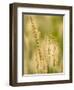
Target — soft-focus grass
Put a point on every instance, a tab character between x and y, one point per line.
46	56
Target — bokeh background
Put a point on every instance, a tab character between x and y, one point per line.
43	44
